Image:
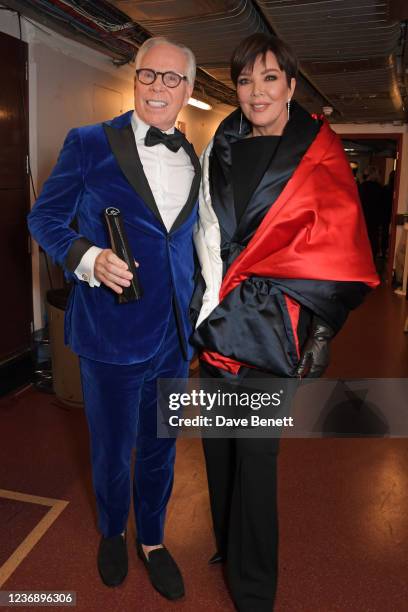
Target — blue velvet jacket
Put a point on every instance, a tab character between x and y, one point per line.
99	167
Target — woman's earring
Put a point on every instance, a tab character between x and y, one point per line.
240	124
288	109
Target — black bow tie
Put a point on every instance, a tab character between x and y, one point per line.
155	136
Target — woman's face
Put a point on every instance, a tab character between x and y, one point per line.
263	94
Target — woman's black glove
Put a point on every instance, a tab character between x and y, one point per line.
315	355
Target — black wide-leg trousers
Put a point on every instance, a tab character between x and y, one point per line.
242	480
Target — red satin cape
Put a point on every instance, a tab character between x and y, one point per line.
314	230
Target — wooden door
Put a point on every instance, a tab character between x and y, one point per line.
16	283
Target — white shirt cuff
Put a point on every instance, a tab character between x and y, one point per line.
85	269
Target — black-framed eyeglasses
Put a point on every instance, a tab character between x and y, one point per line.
147	76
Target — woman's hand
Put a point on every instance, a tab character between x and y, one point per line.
315	356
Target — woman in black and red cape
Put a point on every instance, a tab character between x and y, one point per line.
285	256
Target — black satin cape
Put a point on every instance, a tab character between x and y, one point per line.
253	325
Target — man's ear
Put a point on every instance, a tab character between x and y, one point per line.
189	91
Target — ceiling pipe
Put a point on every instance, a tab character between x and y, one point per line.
113	47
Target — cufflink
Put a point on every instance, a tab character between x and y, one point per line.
85	277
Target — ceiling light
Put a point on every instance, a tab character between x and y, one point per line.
327	110
199	104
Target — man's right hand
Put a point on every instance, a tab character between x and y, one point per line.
112	271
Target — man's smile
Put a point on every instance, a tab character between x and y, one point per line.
157	103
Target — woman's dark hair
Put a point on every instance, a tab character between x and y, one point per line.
248	50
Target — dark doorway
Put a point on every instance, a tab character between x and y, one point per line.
383	152
16	285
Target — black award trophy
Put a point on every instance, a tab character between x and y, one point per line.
120	246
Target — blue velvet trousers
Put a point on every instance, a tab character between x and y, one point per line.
120	405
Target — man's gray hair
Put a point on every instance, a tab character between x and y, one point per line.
161	40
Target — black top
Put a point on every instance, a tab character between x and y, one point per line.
250	157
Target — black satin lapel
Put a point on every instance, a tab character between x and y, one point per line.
233	128
123	145
296	139
193	195
222	196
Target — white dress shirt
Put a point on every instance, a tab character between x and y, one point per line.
169	175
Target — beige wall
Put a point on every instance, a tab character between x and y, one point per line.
201	125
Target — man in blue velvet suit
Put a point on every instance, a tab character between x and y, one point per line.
140	164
